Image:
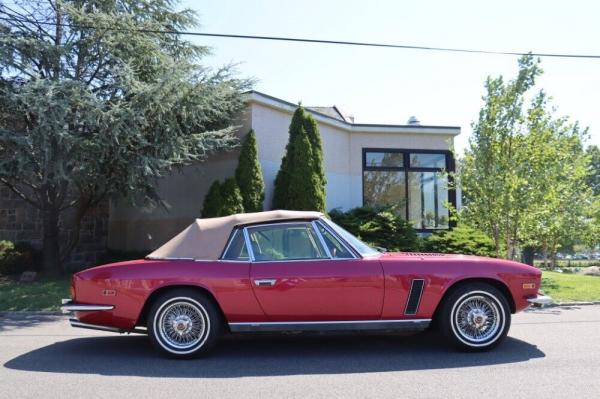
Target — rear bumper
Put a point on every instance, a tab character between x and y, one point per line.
69	306
540	300
76	323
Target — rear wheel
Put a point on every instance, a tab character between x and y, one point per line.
184	323
475	317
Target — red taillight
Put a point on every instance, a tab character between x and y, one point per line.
72	288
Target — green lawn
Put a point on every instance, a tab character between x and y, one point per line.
44	294
566	287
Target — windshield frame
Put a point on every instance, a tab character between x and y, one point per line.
361	248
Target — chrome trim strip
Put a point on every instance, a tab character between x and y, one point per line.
76	323
353	325
71	306
321	239
540	300
248	244
412	285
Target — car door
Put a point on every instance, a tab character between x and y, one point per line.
300	275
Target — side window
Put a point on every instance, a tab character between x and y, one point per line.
286	241
237	248
336	248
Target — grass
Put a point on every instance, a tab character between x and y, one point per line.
43	294
563	287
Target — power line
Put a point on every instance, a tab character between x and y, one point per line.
316	41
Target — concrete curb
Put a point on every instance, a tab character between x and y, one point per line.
574	304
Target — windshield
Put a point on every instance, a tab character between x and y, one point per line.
360	246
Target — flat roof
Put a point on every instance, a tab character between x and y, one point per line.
278	103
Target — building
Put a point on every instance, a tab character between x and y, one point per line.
399	165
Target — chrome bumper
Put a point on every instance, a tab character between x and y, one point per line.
540	300
69	306
78	324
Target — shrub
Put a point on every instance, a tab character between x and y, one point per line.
248	176
212	201
232	198
378	227
300	181
16	258
461	240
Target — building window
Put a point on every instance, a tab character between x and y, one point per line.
413	183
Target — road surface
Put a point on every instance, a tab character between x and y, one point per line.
551	353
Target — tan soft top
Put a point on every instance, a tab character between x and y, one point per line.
206	238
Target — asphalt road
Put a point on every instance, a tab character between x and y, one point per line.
553	353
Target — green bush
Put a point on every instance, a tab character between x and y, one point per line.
232	198
248	175
16	258
460	240
378	227
212	201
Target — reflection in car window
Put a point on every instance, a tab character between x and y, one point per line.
286	241
336	248
357	244
237	248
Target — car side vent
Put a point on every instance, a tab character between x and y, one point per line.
414	297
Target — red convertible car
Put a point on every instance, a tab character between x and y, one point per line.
296	271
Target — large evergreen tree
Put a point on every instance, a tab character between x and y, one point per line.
249	177
300	182
96	101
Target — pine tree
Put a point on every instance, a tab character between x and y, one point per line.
314	136
212	201
232	201
248	176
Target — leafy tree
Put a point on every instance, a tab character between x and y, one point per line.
300	182
97	102
212	201
523	175
249	177
460	240
232	198
593	179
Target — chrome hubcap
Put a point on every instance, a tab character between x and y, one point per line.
182	325
477	318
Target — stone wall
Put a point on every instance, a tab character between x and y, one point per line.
20	222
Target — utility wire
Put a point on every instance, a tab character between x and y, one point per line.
315	41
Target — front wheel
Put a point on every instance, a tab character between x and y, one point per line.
184	323
475	317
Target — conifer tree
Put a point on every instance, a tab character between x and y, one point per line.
231	198
249	177
212	201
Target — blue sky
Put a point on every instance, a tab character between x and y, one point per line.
387	85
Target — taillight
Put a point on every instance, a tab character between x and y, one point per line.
72	288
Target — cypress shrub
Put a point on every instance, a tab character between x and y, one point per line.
212	201
249	177
232	201
300	182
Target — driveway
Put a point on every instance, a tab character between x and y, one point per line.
553	353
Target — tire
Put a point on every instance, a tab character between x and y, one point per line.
475	317
184	323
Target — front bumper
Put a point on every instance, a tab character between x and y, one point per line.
540	299
69	306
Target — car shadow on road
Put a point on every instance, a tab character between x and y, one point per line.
266	356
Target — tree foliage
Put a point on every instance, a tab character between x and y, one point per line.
249	177
460	240
232	198
212	201
300	181
97	102
523	174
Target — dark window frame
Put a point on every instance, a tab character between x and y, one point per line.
450	167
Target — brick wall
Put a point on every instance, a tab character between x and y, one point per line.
20	222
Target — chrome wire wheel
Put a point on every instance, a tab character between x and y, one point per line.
182	325
477	319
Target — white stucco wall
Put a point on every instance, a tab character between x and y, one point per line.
342	151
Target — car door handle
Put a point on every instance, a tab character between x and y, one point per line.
266	282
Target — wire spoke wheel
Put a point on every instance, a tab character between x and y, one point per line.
182	325
477	318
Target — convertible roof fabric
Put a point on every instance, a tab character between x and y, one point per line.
205	239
